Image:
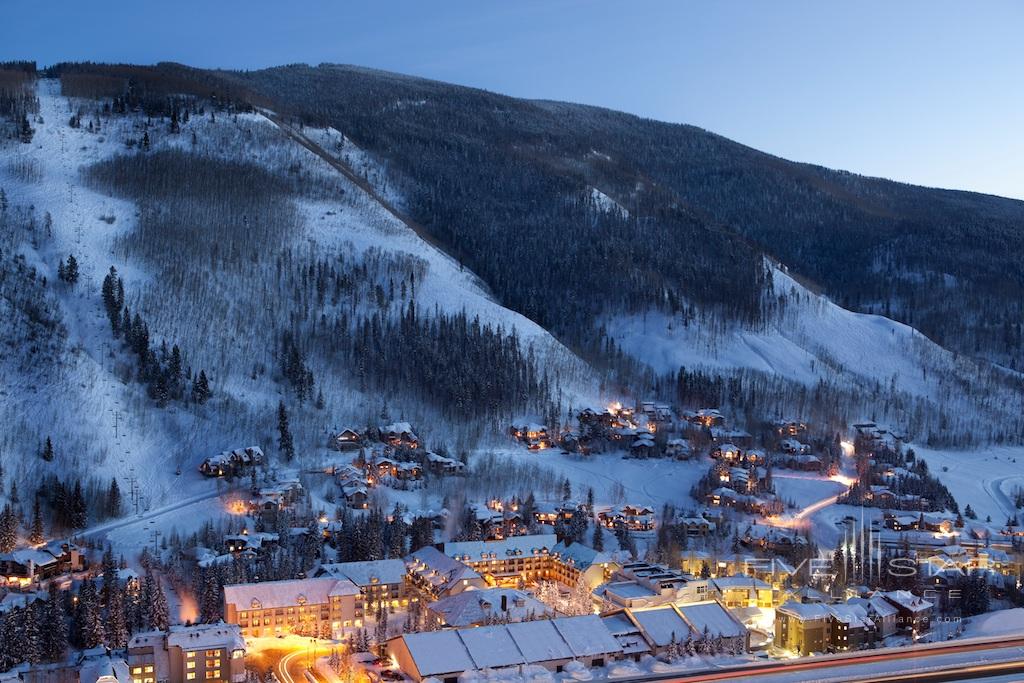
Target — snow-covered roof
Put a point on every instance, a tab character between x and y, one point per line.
529	642
366	573
491	647
539	641
662	625
274	594
804	610
714	618
206	636
477	606
907	600
397	428
438	652
732	582
509	547
438	569
586	635
581	556
851	614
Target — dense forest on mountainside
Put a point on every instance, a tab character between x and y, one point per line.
500	180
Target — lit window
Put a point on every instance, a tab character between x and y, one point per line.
190	665
190	676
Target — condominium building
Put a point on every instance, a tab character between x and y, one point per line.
211	653
324	607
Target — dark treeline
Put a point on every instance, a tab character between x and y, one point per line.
524	219
942	261
18	101
194	207
161	369
150	89
465	368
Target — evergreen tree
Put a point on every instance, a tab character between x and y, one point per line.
71	271
55	635
159	613
284	442
117	626
48	450
36	535
201	389
113	502
597	541
8	529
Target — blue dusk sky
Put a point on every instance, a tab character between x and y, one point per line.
928	92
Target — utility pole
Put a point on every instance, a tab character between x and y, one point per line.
132	483
156	537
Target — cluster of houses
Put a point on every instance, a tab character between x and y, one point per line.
813	624
232	463
390	465
395	434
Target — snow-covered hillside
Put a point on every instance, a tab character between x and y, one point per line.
222	319
807	339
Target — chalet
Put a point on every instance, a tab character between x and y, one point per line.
574	442
550	514
643	446
23	566
881	496
913	614
705	417
730	498
790	428
231	462
810	595
270	500
801	461
794	447
696	526
632	517
728	452
534	435
346	439
399	435
679	449
755	456
356	495
444	466
771	538
739	437
249	542
901	522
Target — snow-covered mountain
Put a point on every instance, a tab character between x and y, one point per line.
246	234
83	395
